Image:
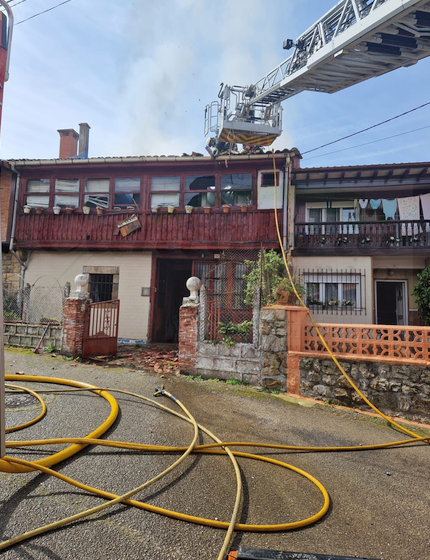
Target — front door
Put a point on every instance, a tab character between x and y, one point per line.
391	308
170	289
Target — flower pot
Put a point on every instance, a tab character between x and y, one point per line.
56	210
86	209
284	297
69	210
206	209
188	209
170	209
226	208
27	209
154	209
99	210
39	210
244	208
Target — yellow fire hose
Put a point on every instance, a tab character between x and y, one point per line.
10	464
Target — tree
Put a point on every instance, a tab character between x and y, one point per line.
422	295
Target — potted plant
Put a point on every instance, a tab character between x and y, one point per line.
226	208
206	208
154	209
269	274
188	209
27	209
170	209
69	210
39	210
56	210
86	209
99	210
244	208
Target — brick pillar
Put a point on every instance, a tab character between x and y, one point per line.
188	337
68	143
73	326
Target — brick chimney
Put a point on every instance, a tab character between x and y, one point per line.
84	135
68	143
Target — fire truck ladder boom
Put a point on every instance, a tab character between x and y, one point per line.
354	41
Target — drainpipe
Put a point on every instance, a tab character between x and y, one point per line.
285	203
12	235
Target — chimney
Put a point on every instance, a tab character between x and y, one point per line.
84	133
68	143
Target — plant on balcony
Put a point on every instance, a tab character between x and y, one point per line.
333	302
348	303
314	301
268	273
421	292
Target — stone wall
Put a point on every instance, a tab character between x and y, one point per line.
217	361
11	272
273	348
395	389
28	335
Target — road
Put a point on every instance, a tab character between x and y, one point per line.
379	499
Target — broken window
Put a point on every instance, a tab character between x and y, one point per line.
37	193
127	193
236	189
203	190
165	191
66	193
268	179
96	193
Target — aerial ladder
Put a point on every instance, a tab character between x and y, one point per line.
354	41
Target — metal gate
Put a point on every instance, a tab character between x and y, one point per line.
101	329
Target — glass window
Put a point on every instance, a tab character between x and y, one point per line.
127	192
96	193
268	179
203	190
236	189
66	193
165	191
37	193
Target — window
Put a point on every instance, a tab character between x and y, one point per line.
37	193
103	282
318	213
268	179
165	191
335	291
127	193
202	189
96	193
236	189
66	193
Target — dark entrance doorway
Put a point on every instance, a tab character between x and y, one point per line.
170	288
390	303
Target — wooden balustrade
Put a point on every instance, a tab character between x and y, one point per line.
216	230
371	341
352	236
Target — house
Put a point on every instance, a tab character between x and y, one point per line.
141	226
359	235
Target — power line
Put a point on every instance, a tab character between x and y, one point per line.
371	142
17	4
44	12
366	129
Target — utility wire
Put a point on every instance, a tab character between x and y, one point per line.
366	129
371	142
44	12
17	4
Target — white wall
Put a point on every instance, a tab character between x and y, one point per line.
47	267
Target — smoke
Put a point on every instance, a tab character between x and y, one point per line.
176	54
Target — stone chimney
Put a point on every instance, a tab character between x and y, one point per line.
68	143
84	133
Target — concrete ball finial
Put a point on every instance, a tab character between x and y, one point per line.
194	284
81	280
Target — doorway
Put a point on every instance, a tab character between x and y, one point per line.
170	289
391	303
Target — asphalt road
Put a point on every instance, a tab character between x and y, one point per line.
380	506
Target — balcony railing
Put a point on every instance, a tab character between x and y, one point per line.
159	230
347	236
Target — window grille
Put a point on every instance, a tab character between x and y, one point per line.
101	287
335	291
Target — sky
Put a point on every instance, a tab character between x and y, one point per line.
140	73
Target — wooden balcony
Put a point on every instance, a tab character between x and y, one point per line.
160	230
351	238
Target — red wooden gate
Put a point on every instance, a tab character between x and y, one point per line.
101	329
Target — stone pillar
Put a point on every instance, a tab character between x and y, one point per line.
188	337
